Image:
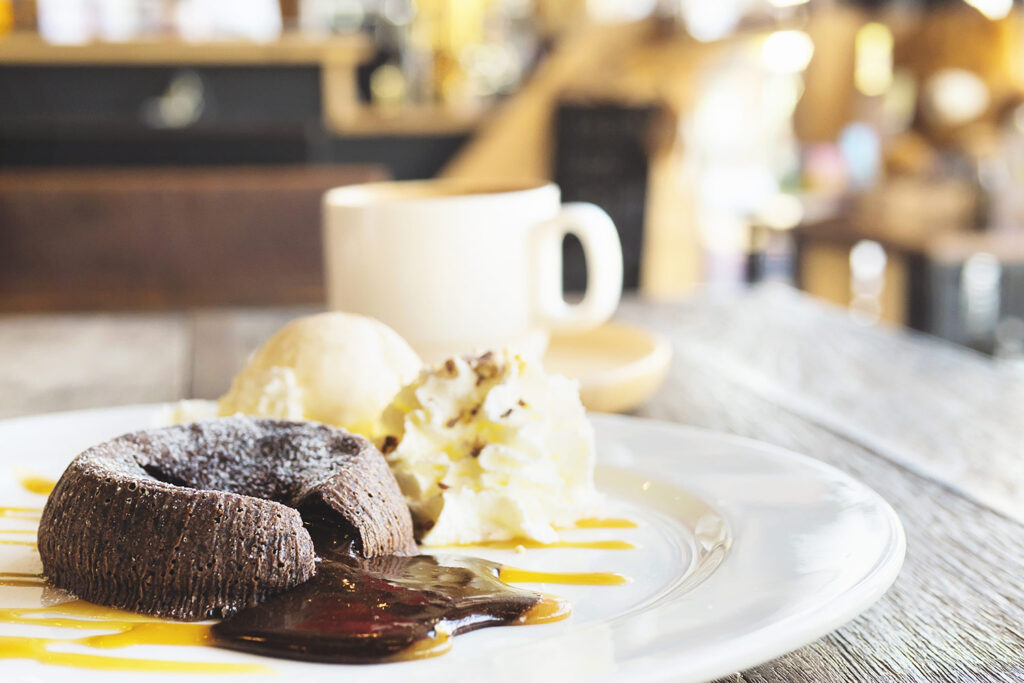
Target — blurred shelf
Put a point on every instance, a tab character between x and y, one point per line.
1007	245
341	111
290	49
412	120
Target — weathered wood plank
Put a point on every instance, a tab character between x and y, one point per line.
932	406
222	340
86	361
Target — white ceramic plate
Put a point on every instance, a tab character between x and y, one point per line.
743	552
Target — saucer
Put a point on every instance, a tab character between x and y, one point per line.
618	366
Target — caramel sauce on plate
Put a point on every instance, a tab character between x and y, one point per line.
353	610
36	484
605	523
527	543
27	514
39	650
127	629
517	575
22	580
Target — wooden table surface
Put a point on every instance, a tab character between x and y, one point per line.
938	431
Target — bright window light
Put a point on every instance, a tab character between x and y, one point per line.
787	51
873	54
993	9
957	96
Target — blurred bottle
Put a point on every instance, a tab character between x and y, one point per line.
326	17
6	17
118	20
462	53
82	21
256	20
66	22
24	15
388	88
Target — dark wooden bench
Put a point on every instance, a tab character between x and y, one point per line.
160	238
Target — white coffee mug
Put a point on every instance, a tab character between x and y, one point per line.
457	266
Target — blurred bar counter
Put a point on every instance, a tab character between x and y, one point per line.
966	286
291	48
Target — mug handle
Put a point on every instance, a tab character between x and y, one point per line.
603	253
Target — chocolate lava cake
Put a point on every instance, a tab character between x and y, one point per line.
203	519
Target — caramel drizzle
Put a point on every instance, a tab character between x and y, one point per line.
605	523
12	647
27	514
34	483
440	644
510	574
530	544
22	580
129	629
549	609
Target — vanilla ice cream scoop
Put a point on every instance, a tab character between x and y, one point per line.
490	448
337	368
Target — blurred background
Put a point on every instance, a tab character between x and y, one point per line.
172	153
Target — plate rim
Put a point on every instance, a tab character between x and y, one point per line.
771	641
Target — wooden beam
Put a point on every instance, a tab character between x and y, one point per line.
28	48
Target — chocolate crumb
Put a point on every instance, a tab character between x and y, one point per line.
485	367
449	365
454	421
523	403
443	486
506	413
476	450
390	444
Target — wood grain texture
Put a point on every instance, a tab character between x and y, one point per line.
66	362
161	238
929	405
223	339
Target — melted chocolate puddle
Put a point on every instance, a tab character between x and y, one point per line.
357	610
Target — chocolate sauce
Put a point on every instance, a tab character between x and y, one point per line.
357	610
